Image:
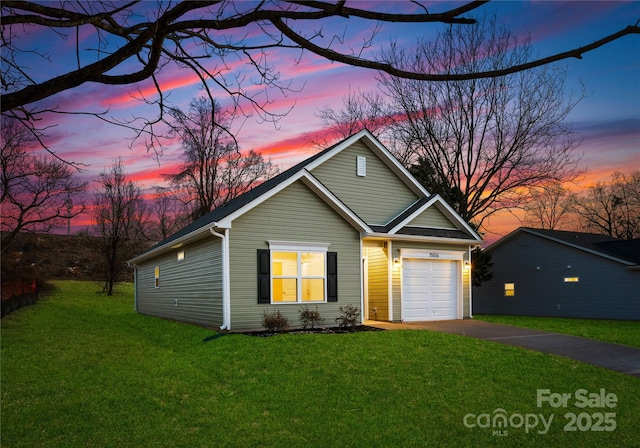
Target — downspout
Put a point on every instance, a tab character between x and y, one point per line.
226	291
470	285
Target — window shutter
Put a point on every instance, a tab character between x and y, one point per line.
332	276
264	276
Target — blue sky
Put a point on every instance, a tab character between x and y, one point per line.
608	118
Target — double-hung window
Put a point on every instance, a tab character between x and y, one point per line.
297	273
298	276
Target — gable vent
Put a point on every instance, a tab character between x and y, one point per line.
361	166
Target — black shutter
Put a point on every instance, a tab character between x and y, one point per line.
332	276
264	276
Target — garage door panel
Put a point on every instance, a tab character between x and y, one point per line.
429	290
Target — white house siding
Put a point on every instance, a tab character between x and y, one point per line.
190	290
378	197
294	214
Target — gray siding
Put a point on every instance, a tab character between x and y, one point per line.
606	289
378	281
433	218
294	214
190	290
378	197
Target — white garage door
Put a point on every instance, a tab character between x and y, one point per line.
429	290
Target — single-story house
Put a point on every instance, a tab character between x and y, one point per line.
564	274
347	226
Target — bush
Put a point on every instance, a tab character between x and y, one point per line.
348	316
275	321
309	318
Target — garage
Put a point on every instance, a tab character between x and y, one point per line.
430	290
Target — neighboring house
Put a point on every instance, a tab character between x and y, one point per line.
348	226
564	274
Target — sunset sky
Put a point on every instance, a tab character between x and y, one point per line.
608	119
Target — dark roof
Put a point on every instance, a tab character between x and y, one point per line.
226	209
440	233
628	250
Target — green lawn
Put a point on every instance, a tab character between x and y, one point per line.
620	332
83	370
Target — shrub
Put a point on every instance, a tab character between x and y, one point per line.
275	321
348	316
309	318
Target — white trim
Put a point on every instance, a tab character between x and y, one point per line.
378	149
297	246
298	249
422	239
226	278
390	279
448	211
324	193
315	186
364	263
416	254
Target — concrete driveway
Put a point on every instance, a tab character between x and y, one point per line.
620	358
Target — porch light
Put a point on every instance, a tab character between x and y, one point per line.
396	262
467	265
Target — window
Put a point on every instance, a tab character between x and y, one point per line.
181	255
571	279
297	274
509	289
157	276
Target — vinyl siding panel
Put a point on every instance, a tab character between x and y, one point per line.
378	281
537	266
376	198
294	214
433	218
190	290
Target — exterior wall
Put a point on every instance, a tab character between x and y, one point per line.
397	279
606	289
433	218
378	280
294	214
376	198
190	290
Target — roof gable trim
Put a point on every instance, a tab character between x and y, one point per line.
446	209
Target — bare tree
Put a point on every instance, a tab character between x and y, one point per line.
549	207
361	110
167	215
612	208
215	171
127	43
488	140
120	215
35	188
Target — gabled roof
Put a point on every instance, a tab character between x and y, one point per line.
398	225
223	216
622	251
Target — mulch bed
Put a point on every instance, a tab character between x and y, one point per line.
323	330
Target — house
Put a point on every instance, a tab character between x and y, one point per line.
348	226
566	274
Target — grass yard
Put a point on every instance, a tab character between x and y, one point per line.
618	331
80	369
